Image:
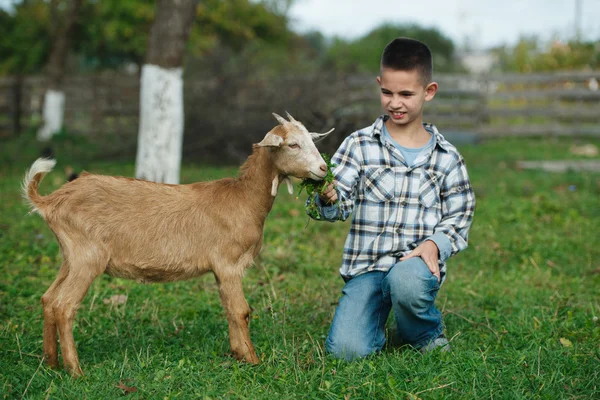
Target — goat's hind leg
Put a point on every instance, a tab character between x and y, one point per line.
48	300
238	314
70	295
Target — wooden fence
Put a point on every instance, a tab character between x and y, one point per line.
93	103
525	104
235	108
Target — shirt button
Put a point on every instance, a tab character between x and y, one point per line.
403	202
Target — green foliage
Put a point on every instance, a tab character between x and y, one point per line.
24	37
528	55
520	304
114	32
249	34
314	188
235	23
117	31
246	40
569	56
364	54
253	36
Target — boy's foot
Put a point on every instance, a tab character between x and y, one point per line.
440	344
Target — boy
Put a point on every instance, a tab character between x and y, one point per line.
412	206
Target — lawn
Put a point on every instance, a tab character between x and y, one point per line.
521	304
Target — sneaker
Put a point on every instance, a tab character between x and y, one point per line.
439	344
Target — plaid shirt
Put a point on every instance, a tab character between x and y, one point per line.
396	207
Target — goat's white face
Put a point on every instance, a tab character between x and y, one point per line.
294	150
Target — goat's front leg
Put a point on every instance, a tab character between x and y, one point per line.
238	314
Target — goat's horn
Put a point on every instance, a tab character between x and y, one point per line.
318	136
290	117
279	118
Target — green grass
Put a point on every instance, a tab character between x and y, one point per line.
521	304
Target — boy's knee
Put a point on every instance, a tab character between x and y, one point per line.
411	283
348	350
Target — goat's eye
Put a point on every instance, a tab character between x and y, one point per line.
293	145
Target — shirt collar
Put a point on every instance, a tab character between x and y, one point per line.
377	130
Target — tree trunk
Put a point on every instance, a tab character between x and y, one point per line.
54	98
160	135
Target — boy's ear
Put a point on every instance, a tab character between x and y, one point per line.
379	80
430	90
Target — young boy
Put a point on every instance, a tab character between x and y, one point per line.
412	206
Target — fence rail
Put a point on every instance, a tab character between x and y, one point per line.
565	103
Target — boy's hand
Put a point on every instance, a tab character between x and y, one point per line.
329	196
429	252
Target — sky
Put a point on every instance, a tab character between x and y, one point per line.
481	23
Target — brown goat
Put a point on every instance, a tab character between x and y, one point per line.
153	232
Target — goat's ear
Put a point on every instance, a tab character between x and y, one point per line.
280	119
272	140
319	136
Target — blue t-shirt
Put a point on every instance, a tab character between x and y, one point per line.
409	154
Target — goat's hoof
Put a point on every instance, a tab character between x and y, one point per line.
252	359
249	358
51	362
75	372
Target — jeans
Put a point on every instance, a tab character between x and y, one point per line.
409	288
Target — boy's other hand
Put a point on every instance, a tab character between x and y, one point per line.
329	196
429	252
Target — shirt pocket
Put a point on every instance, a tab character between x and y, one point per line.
429	193
379	184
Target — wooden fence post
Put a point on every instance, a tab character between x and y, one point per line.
16	108
483	116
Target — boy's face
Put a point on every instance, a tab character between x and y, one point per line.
403	95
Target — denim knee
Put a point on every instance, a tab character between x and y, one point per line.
411	285
348	349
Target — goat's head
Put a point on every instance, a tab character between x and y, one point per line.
294	151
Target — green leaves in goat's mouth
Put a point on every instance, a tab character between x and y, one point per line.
314	188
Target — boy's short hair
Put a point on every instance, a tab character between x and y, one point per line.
405	54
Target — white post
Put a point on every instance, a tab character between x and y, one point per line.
53	114
161	124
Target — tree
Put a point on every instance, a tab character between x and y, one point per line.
24	47
64	15
161	93
529	55
24	44
114	33
364	54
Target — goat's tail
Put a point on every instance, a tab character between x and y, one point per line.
32	180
